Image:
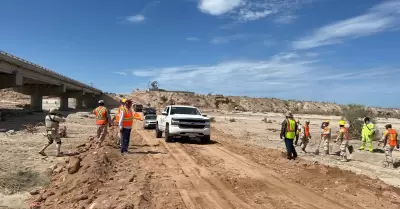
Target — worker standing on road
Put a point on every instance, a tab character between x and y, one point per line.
52	121
288	133
102	121
389	137
326	136
125	123
297	132
368	133
343	137
305	135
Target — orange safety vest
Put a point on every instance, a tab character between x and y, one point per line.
307	130
118	112
128	117
101	115
392	136
346	132
326	129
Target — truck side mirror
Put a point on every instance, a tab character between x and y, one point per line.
164	113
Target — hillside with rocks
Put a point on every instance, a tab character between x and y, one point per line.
219	102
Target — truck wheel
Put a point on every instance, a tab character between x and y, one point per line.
205	139
167	137
158	132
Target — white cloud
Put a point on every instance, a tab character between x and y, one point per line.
282	75
192	39
285	19
136	18
121	73
218	7
247	10
379	18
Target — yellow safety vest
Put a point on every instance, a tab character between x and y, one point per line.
290	129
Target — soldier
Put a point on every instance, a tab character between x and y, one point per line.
343	136
326	136
389	137
52	121
305	135
102	120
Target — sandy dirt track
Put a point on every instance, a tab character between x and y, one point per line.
223	174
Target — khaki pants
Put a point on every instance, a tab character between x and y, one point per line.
388	155
304	141
53	136
343	148
101	132
326	140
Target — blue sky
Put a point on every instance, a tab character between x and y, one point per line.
323	50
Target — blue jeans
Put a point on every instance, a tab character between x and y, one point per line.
291	151
126	135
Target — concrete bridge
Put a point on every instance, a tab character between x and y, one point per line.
31	79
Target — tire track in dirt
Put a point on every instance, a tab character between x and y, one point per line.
198	188
231	175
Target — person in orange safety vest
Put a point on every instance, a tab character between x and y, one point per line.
126	117
305	135
389	138
102	121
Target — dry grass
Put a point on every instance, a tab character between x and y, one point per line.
22	180
30	128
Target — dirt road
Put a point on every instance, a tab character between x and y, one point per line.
224	174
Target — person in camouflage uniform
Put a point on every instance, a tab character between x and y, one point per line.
52	121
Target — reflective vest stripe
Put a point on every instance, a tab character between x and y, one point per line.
101	117
127	121
392	136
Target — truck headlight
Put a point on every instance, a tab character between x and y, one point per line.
174	122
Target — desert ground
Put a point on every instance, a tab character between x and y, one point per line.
243	167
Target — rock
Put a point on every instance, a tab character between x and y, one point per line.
57	170
11	132
34	192
82	197
40	199
74	165
52	168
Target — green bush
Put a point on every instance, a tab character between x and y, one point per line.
355	114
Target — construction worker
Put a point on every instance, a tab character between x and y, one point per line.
389	137
367	133
116	119
305	135
125	123
102	120
297	132
343	137
326	136
288	133
52	121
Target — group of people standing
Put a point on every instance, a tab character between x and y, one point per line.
292	130
123	120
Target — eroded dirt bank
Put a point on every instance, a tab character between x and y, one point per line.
224	174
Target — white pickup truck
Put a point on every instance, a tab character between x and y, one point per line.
184	122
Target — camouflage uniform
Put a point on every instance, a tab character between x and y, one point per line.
343	137
326	137
305	136
52	127
389	145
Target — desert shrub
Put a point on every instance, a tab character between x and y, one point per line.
164	99
265	120
232	120
354	114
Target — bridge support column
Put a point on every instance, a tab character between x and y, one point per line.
64	102
36	102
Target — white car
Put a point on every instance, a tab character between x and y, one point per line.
184	122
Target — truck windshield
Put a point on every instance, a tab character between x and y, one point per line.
184	110
150	117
